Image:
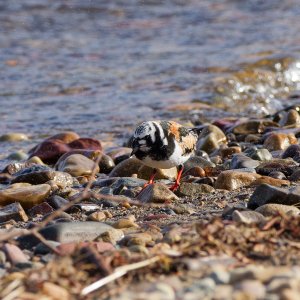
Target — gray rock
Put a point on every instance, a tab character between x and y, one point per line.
43	249
126	168
261	154
67	232
248	217
57	202
106	164
254	289
242	161
220	276
266	193
197	161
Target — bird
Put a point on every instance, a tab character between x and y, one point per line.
164	145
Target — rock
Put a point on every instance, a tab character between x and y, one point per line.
252	126
112	236
291	151
28	195
231	180
139	249
65	136
115	153
14	254
220	276
291	118
49	151
126	168
240	161
251	272
35	160
61	179
40	209
125	223
197	161
286	166
265	193
68	232
18	169
193	189
18	155
270	181
195	172
253	289
12	211
295	175
90	154
55	291
279	141
273	209
145	172
106	164
77	165
57	202
97	216
229	151
85	143
70	248
277	175
43	249
210	139
13	137
248	217
86	207
260	154
157	193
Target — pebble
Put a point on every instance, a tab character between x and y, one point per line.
61	179
77	165
286	166
291	151
279	141
139	249
57	202
261	154
55	291
13	137
265	194
125	223
253	289
248	217
231	180
240	161
195	172
97	216
220	276
67	232
145	172
28	195
197	161
210	139
18	155
106	164
229	151
40	209
157	193
35	160
252	126
42	249
193	189
126	168
14	254
272	209
13	211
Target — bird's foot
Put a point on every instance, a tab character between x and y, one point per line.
174	187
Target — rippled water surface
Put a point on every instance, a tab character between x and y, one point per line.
99	67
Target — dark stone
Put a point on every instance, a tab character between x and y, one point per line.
286	166
291	151
57	202
240	161
86	143
40	209
12	211
106	164
43	249
266	193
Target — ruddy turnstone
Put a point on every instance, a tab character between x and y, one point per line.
163	145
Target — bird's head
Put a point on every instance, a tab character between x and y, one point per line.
143	138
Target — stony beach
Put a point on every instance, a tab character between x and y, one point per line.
73	212
77	77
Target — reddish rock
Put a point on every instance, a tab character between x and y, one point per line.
69	248
86	143
41	209
66	136
49	151
14	254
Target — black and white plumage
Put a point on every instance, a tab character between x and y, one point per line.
163	145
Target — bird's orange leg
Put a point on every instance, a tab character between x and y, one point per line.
175	186
151	180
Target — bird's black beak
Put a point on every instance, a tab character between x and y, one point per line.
135	147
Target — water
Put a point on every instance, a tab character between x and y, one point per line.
99	67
